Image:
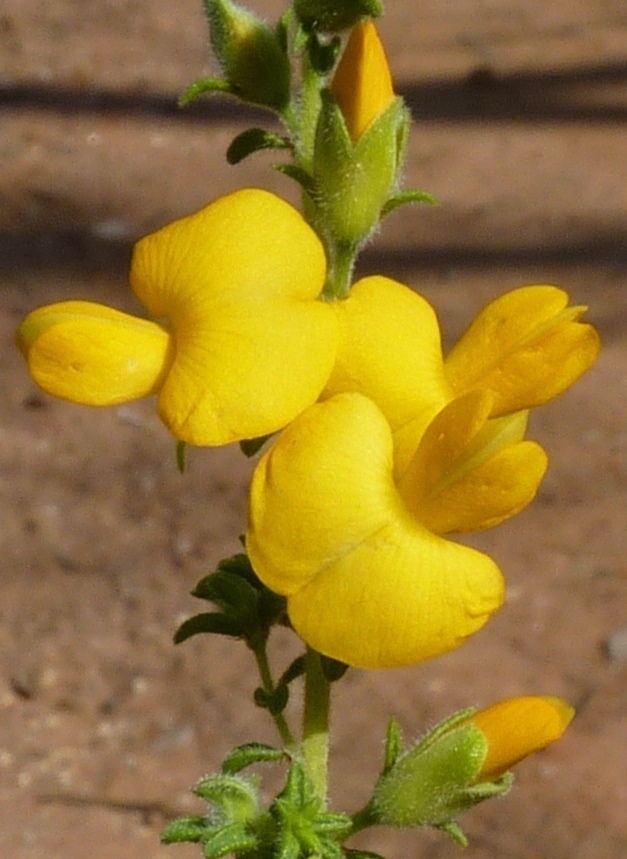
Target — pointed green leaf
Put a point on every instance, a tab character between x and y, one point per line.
295	669
298	175
405	197
393	744
202	87
454	831
181	456
184	829
254	140
361	854
232	593
232	838
210	622
323	54
249	754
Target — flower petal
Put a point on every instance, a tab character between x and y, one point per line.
362	84
239	282
526	347
470	472
517	727
92	354
366	583
390	350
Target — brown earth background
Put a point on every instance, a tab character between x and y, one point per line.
521	114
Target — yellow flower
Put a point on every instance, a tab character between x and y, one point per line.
366	581
523	349
239	344
362	84
518	727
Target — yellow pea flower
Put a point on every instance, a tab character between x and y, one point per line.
526	348
239	344
518	727
366	581
362	83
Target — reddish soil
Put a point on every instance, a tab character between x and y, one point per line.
521	115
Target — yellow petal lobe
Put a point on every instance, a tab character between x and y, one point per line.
366	583
390	350
239	283
526	347
92	354
362	84
517	727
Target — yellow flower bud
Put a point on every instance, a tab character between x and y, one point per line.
362	84
518	727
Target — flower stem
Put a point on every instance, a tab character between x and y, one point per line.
287	738
315	746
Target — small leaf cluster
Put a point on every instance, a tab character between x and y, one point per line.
294	825
246	608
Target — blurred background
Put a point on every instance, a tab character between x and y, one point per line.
520	114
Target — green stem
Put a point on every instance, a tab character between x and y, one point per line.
339	276
315	746
287	738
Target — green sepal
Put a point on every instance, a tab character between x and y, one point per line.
353	181
408	197
202	87
254	140
230	838
184	829
252	446
432	784
250	54
298	174
454	831
333	15
208	622
181	456
394	744
248	755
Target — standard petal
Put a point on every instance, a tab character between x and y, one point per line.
526	347
390	350
247	246
92	354
239	283
247	370
365	582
